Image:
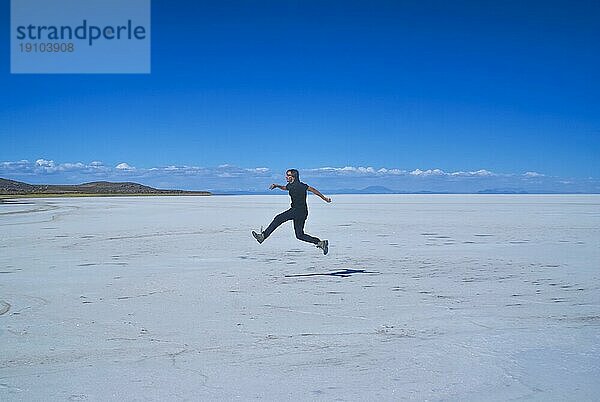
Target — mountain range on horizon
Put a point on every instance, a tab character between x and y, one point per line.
381	190
13	187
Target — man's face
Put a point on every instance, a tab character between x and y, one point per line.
289	177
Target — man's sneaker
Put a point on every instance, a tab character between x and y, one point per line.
323	245
260	237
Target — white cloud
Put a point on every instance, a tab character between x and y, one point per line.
71	166
260	170
124	166
45	163
430	172
347	170
325	170
15	166
482	172
477	173
395	172
533	174
441	173
44	166
360	171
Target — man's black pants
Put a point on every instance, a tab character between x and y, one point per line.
299	217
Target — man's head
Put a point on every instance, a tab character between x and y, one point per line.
292	175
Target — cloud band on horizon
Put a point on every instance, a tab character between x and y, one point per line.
229	177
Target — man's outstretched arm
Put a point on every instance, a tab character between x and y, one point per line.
317	192
277	186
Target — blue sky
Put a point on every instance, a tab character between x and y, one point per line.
509	88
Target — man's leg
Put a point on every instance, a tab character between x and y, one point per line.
299	221
277	221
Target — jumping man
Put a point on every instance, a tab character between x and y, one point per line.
298	212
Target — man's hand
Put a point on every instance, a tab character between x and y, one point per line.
327	199
272	186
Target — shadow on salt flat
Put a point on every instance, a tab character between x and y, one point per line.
341	273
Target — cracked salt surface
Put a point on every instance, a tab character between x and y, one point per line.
420	297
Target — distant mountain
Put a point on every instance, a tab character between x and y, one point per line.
376	190
366	190
247	192
502	191
381	190
519	191
12	187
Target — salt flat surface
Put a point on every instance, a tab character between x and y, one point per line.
428	297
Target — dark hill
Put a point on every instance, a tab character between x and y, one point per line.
12	187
